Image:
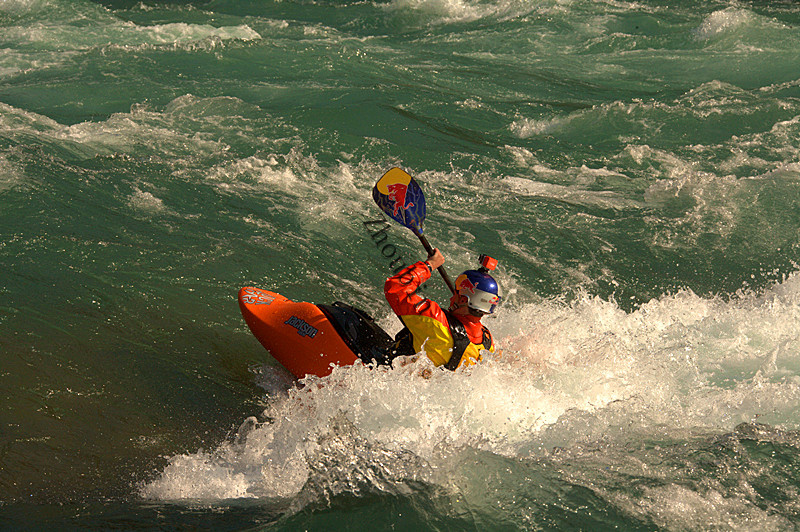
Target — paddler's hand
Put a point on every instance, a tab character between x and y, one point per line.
402	361
399	362
435	260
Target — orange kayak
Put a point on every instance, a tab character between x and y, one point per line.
309	339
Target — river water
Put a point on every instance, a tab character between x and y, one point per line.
633	166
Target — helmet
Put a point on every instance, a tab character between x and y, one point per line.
480	289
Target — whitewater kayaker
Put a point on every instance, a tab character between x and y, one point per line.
453	337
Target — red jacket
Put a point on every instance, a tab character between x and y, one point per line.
428	322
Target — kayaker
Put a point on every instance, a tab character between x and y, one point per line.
453	337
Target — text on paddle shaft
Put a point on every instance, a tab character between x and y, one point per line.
303	328
378	232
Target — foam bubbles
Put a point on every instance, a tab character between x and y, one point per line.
450	10
570	374
99	28
10	175
526	127
679	507
146	202
180	33
575	193
460	11
724	21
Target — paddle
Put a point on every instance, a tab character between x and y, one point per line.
400	196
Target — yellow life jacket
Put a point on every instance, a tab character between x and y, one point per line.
447	346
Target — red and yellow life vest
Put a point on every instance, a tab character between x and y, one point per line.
441	334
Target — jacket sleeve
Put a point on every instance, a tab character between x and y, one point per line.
424	318
400	289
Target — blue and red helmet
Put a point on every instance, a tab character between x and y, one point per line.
480	288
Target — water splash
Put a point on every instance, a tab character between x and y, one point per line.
571	375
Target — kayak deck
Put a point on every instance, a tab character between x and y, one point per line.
297	334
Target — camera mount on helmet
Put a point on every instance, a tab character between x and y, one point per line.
487	263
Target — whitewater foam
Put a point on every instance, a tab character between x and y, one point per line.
569	374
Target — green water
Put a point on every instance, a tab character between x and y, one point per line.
632	165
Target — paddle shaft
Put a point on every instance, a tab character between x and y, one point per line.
440	269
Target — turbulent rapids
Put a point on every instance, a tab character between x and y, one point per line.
581	387
633	166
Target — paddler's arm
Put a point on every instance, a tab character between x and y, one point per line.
400	288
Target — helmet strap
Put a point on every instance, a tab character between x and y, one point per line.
477	313
458	301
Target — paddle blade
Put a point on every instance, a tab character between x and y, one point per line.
399	196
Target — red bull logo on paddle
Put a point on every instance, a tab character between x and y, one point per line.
397	192
394	185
